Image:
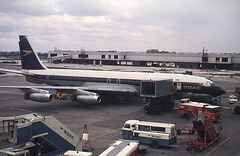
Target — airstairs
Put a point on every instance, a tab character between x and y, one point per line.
49	136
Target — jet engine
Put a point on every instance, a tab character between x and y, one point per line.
91	99
39	97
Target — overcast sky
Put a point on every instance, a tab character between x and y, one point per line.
122	25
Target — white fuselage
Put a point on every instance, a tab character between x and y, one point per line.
122	75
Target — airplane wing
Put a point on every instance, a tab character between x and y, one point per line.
86	94
11	71
72	89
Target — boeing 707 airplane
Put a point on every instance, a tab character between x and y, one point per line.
88	86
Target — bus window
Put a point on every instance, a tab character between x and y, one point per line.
126	126
159	129
143	128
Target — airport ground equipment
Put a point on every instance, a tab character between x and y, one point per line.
77	153
233	99
150	133
209	111
183	128
14	152
47	135
86	142
206	135
122	147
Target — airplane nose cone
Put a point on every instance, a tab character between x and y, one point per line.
216	91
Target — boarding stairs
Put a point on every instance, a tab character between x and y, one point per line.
48	134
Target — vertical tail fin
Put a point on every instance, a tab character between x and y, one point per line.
29	58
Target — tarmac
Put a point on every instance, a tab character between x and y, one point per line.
104	121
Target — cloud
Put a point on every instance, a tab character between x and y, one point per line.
83	7
135	25
28	7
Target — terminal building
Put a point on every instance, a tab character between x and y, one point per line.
149	58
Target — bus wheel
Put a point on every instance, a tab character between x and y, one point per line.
155	144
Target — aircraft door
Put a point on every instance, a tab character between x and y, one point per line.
179	86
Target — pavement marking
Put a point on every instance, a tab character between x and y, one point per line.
105	134
217	147
229	91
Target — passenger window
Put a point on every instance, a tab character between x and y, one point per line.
159	129
144	128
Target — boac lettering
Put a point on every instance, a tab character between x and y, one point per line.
192	87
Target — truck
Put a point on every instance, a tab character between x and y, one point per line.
233	99
150	133
209	111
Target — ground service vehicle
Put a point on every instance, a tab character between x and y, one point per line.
210	111
150	133
207	135
122	147
233	99
77	153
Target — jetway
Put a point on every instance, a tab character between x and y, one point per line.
158	93
47	135
156	88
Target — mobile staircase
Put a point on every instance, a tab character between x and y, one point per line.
47	135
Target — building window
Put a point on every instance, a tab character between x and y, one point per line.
224	59
204	59
53	55
217	59
124	57
109	56
115	56
103	56
82	56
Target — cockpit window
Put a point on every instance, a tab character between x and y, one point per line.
209	83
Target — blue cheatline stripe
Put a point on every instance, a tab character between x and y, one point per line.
89	79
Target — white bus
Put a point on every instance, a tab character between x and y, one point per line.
150	133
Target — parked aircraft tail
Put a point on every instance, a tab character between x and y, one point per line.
29	58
